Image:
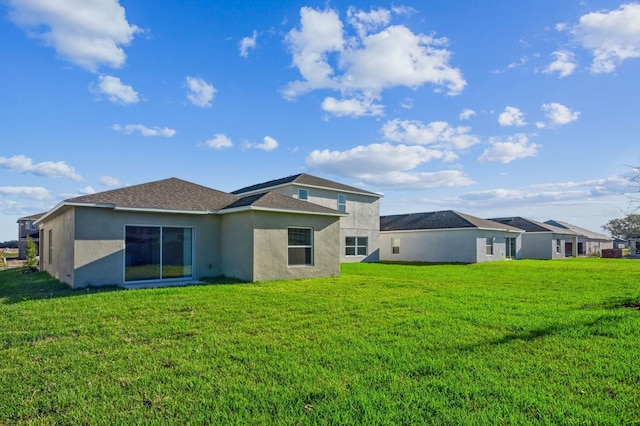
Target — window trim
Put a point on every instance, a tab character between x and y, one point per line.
342	205
50	246
489	246
356	246
303	246
395	245
160	254
306	196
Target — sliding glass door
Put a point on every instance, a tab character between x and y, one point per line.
158	252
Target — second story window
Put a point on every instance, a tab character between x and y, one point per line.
342	203
303	194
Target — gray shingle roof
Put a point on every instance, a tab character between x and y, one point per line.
446	219
529	225
179	195
273	200
303	179
166	194
32	217
578	230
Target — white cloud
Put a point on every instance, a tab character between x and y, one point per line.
219	141
144	130
419	180
248	43
200	92
88	33
559	114
466	114
22	164
387	165
268	144
516	147
439	134
33	192
611	36
109	181
366	22
564	64
352	107
87	190
552	193
368	62
115	90
511	117
320	34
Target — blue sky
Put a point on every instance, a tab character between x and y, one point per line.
494	108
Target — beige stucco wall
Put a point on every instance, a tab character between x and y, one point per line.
58	263
99	243
237	245
270	260
453	245
362	220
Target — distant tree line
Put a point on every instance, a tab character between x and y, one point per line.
9	244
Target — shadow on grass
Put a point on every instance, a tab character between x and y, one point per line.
16	286
598	327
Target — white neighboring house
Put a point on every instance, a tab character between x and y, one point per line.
446	236
589	243
541	240
359	229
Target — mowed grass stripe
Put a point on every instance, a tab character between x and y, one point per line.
505	342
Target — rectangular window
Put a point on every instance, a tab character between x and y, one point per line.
355	246
489	246
342	203
558	246
300	246
50	246
156	253
303	194
395	246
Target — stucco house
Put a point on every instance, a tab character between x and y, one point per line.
589	243
172	231
541	240
446	236
359	227
28	228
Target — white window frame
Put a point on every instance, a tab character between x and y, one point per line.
302	197
395	245
342	203
558	245
489	246
300	246
359	242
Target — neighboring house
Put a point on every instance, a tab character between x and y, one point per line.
27	228
541	240
359	229
446	236
619	243
589	243
172	231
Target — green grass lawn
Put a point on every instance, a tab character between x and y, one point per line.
514	342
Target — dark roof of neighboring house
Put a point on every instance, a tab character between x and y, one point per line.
272	200
174	194
32	217
446	219
578	230
305	180
529	225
